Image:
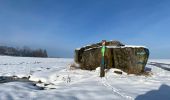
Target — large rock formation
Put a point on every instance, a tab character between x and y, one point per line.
131	59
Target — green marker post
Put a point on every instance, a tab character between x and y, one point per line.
102	67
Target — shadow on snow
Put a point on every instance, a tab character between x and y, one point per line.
163	93
6	79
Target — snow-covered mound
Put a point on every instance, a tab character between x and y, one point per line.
61	83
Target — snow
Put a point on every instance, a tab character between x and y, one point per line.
135	46
132	46
61	83
78	48
166	61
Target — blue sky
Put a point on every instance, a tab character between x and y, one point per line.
60	26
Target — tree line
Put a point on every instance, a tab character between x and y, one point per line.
23	52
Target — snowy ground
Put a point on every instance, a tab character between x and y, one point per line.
61	83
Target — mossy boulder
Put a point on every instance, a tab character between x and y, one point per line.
131	59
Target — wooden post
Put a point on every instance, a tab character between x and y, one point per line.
102	67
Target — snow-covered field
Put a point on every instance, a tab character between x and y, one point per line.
61	83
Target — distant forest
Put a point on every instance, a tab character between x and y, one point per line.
23	52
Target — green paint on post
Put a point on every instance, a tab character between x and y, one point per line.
103	50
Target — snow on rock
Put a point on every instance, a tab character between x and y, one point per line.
132	46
